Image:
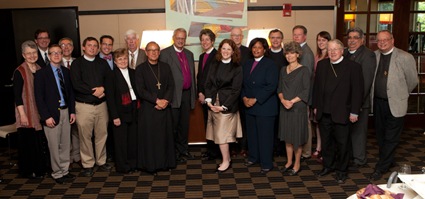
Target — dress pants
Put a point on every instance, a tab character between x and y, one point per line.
181	123
388	131
92	118
75	144
260	132
358	135
306	150
335	138
59	142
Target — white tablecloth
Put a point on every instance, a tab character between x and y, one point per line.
408	193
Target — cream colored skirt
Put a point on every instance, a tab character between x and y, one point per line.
223	128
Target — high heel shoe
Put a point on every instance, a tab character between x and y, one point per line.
222	171
285	169
292	172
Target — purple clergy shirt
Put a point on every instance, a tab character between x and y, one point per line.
187	80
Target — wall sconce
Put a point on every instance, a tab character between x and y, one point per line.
253	33
163	38
349	17
385	18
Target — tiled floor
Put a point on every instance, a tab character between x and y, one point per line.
196	179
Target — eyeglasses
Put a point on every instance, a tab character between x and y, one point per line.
152	50
55	53
66	45
334	49
355	37
383	40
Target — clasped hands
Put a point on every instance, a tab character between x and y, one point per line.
99	92
287	103
249	102
161	104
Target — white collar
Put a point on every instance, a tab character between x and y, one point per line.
302	44
276	51
338	61
226	61
258	59
210	50
88	58
175	48
387	53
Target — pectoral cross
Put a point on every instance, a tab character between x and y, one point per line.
158	85
385	73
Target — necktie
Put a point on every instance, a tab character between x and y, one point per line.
132	63
46	59
62	83
253	66
67	64
107	57
204	60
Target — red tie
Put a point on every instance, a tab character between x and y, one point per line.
107	57
67	64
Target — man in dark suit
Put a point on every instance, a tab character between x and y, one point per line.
136	55
183	68
359	53
207	38
299	35
42	39
236	35
396	76
337	99
55	103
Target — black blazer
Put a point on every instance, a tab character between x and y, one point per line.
347	95
245	53
47	94
262	85
201	77
40	60
118	95
226	81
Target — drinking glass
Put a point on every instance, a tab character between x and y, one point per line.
404	170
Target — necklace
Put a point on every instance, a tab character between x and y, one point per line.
333	69
158	84
293	68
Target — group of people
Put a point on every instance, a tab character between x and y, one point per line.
136	103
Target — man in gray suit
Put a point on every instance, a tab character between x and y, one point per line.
299	35
359	53
136	56
395	77
183	68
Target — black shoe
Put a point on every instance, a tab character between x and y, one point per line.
248	163
304	158
180	159
88	172
340	179
188	156
69	176
285	169
376	175
105	167
265	171
324	171
60	180
222	171
292	172
154	173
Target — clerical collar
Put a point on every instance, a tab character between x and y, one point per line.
258	59
210	50
226	61
389	52
276	51
352	51
89	58
338	61
302	44
175	48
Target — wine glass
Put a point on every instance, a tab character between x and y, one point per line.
404	170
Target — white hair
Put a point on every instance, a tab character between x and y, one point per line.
131	32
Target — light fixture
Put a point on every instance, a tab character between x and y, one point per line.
349	17
162	37
385	18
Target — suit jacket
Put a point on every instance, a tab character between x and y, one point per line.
141	57
261	84
201	77
245	54
47	94
347	95
225	80
40	60
307	58
169	56
402	79
367	59
118	95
